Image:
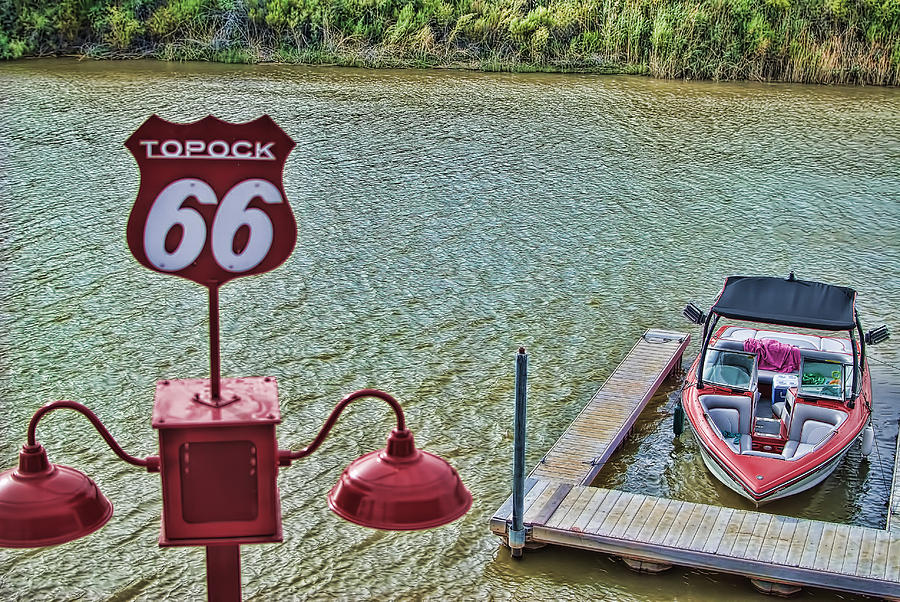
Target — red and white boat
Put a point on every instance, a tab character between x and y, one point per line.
775	411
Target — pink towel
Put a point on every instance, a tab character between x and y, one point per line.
774	355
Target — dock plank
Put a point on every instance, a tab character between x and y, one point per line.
798	544
590	508
652	522
602	512
851	555
583	451
627	516
879	560
640	518
555	516
678	523
732	531
576	441
504	513
838	550
613	516
813	544
775	548
744	534
710	515
659	534
690	528
598	405
587	494
532	496
892	568
550	506
866	553
539	502
763	523
717	533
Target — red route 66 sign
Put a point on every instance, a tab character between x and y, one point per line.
211	205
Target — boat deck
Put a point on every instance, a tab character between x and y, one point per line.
561	509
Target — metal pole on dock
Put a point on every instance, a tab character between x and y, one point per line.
517	530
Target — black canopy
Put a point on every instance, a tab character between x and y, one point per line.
788	302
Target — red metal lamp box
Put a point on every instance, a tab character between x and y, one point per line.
218	461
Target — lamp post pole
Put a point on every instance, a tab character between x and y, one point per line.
223	573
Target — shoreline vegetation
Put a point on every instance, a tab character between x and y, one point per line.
804	41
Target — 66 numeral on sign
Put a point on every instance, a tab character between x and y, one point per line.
233	213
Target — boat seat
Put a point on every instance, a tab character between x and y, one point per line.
825	355
732	414
728	344
794	339
778	410
811	427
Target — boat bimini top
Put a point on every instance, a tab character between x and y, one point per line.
788	302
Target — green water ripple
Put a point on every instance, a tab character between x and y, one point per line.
444	219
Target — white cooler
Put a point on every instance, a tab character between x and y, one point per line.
780	385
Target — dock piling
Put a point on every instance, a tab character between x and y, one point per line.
517	529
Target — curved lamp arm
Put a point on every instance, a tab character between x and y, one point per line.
285	457
151	463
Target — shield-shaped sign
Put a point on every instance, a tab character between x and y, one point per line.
211	205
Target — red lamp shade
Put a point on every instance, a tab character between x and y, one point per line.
43	504
400	488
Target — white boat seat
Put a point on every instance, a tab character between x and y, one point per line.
730	416
727	419
805	412
778	409
811	427
795	339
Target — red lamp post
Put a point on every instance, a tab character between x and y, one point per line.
399	487
211	208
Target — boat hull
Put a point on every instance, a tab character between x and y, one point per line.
822	472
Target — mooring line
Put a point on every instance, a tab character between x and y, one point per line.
881	467
884	363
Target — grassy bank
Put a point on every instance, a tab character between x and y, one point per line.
824	41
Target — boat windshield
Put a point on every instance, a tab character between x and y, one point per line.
734	369
822	378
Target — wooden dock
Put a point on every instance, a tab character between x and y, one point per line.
606	420
562	509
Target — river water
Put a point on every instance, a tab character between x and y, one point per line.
445	218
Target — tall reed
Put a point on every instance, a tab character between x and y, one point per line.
825	41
